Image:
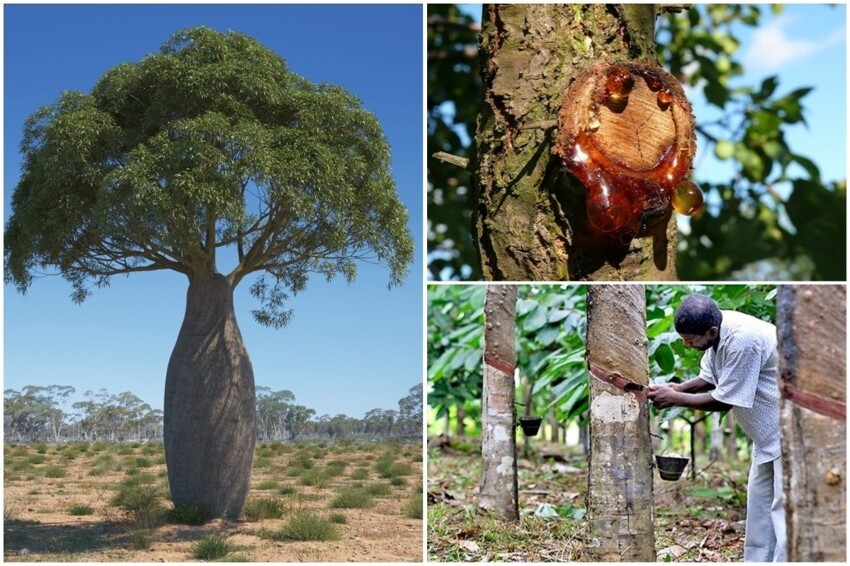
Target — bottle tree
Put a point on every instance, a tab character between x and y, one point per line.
209	149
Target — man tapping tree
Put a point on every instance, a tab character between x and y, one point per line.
212	144
738	371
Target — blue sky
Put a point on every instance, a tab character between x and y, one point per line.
348	348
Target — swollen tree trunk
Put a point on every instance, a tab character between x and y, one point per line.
619	496
529	212
209	422
498	443
811	323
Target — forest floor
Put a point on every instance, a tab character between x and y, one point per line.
699	520
307	503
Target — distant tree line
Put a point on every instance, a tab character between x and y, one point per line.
45	414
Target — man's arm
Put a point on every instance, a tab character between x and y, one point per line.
664	396
695	385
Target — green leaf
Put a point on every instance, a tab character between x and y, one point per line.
768	87
724	149
548	335
664	358
535	320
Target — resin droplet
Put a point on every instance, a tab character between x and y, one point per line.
619	82
665	97
594	124
654	83
687	198
608	210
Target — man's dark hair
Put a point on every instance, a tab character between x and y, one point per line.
697	314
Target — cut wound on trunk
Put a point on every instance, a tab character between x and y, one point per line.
627	133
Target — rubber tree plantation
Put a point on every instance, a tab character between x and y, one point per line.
210	145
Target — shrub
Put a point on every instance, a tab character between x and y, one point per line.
378	489
388	469
211	547
352	499
305	527
140	537
360	474
191	514
314	478
80	510
124	450
18	466
337	518
262	463
107	461
263	508
141	529
40	447
152	449
413	510
141	462
54	472
267	485
138	493
35	459
286	490
398	481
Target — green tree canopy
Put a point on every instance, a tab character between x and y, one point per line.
211	143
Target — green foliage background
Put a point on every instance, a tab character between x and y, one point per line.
739	233
551	332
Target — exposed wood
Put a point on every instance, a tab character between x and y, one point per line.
619	498
499	491
811	323
529	208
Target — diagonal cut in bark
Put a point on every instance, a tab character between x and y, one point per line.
209	426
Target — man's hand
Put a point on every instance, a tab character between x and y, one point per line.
664	395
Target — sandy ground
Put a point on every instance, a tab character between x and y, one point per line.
39	527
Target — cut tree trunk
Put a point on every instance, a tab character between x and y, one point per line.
498	444
529	214
209	413
812	346
619	496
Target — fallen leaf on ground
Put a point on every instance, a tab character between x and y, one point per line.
469	546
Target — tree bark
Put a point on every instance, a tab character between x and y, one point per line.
527	222
731	433
499	490
209	421
716	439
460	425
619	497
812	346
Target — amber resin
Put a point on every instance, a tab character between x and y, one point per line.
627	133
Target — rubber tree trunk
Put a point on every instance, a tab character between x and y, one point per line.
209	413
499	489
731	433
716	439
811	324
524	221
619	497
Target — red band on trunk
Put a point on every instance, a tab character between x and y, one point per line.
820	405
500	365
